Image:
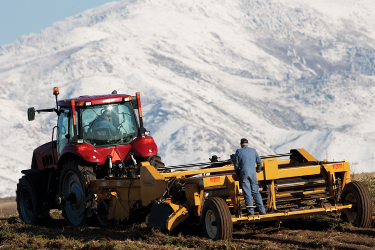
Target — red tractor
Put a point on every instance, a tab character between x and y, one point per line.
95	137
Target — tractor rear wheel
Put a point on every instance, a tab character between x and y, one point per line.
27	205
216	219
357	194
72	188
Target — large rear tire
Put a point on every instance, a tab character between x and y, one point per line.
72	185
216	219
357	194
27	205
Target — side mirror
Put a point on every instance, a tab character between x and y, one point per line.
31	114
135	102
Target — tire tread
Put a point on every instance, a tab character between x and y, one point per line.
364	203
224	220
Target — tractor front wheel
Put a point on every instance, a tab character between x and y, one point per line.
216	219
357	194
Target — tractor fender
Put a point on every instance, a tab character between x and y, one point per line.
84	151
144	146
39	182
45	156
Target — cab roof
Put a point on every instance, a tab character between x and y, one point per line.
94	99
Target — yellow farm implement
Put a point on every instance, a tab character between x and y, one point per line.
290	188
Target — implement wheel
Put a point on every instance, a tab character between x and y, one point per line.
357	194
72	187
216	219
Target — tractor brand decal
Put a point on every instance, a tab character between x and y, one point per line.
215	179
104	184
148	183
337	166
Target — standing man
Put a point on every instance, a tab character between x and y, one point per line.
244	164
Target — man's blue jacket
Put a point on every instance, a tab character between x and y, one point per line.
244	161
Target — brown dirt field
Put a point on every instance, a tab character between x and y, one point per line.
319	232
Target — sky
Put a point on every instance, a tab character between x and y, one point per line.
22	17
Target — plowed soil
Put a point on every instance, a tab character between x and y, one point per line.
319	232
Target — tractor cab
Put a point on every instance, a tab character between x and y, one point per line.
102	124
96	137
103	131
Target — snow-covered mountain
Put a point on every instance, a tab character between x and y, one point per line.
282	73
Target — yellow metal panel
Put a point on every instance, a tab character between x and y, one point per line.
105	188
200	202
346	178
271	169
347	166
299	171
273	196
306	155
306	192
260	176
337	167
289	214
190	172
192	194
153	184
118	210
178	216
233	189
151	173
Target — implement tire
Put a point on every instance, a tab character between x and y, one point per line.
357	194
216	219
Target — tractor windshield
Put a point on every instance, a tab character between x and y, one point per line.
107	125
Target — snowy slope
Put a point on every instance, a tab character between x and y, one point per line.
283	73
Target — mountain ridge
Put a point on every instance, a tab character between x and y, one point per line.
283	73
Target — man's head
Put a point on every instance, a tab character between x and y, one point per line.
244	142
107	115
